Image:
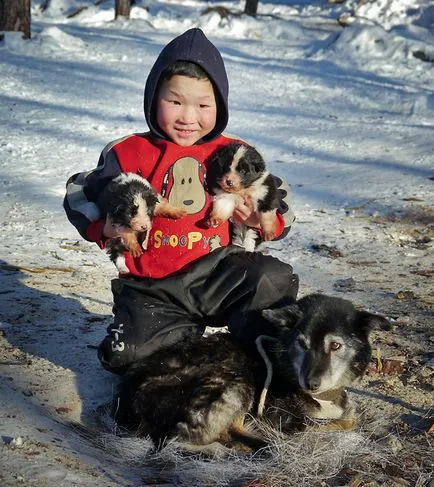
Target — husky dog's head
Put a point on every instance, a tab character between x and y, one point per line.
325	341
234	167
132	203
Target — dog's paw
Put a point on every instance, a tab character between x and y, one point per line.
122	269
176	213
121	266
267	236
337	425
214	222
136	250
164	208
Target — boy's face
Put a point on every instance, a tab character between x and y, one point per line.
186	109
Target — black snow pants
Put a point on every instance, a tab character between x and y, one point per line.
152	313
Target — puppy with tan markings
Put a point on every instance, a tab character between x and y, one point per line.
130	203
237	173
200	391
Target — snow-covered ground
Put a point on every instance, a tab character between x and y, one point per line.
346	115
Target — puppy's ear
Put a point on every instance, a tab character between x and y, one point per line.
369	321
285	317
257	160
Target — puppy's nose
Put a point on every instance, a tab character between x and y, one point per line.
229	183
144	227
313	383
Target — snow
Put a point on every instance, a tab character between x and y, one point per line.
346	115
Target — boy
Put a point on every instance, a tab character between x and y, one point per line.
189	276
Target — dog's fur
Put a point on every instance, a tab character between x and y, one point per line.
131	203
237	172
200	390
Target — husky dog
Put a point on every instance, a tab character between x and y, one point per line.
200	390
237	172
131	203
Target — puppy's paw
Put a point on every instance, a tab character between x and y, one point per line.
267	236
136	250
176	213
214	221
164	208
122	269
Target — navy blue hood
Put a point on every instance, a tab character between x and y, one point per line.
192	46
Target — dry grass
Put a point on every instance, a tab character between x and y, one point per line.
309	458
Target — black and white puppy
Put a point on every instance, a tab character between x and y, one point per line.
200	390
237	172
131	203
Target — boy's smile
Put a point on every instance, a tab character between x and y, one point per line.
186	109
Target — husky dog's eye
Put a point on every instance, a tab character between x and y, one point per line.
334	346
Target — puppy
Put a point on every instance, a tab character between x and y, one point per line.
237	172
200	390
131	203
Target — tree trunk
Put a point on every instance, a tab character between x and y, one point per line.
122	8
15	16
251	7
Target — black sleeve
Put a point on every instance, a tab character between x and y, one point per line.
83	189
285	206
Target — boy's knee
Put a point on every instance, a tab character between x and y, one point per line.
273	275
116	354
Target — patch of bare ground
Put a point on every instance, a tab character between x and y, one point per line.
51	322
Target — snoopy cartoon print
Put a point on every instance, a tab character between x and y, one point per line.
183	185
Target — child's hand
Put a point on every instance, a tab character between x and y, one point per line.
245	214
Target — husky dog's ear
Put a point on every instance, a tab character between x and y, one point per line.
285	317
369	321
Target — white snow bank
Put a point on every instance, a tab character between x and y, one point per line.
373	42
60	8
50	39
389	13
54	38
265	29
371	48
